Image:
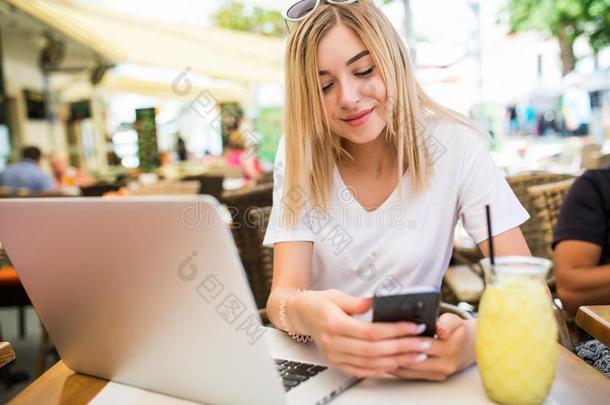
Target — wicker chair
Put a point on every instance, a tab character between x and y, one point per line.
260	280
532	228
245	232
209	184
590	156
266	178
546	202
604	160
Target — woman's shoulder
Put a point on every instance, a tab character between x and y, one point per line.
451	134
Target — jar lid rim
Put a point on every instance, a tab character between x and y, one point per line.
526	265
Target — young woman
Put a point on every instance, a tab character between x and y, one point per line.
371	177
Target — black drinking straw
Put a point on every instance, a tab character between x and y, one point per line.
491	241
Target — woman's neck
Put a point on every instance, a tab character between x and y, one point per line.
374	158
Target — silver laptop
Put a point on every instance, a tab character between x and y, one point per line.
150	292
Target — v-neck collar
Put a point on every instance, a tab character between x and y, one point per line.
342	186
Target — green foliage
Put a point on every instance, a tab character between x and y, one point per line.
269	125
599	15
567	19
234	15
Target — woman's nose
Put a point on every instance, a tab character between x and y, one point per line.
350	94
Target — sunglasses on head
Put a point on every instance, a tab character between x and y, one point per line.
301	9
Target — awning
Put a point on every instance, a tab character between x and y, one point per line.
157	82
214	52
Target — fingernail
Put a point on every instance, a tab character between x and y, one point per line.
425	345
420	357
421	328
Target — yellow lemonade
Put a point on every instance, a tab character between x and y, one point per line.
516	342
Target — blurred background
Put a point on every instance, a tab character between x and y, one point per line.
121	94
76	76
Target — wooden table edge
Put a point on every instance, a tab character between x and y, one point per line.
585	315
60	385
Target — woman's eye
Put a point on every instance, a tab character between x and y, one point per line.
327	88
366	72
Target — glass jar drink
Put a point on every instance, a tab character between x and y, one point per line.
516	342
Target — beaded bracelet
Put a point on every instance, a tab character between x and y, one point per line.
286	325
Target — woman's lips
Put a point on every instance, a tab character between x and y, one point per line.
360	120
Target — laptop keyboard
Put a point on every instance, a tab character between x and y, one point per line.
294	373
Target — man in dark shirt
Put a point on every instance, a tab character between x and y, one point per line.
585	217
582	254
582	242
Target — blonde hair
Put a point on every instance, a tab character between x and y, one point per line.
311	150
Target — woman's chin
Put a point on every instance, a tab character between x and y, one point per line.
363	138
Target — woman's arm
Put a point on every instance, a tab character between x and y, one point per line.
580	280
291	272
508	243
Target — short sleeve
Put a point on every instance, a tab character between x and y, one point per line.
277	229
583	215
482	183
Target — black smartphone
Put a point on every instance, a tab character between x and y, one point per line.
419	306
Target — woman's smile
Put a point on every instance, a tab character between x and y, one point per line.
360	118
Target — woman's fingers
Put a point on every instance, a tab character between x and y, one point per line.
372	349
447	324
377	363
408	374
439	365
350	305
362	372
348	326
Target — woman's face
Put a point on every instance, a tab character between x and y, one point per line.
353	91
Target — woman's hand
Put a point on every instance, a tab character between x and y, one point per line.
357	347
453	351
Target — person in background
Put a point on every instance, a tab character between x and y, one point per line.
576	108
167	169
242	155
582	254
529	118
208	158
66	176
513	119
181	150
27	173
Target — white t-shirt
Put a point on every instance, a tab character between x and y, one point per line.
402	243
